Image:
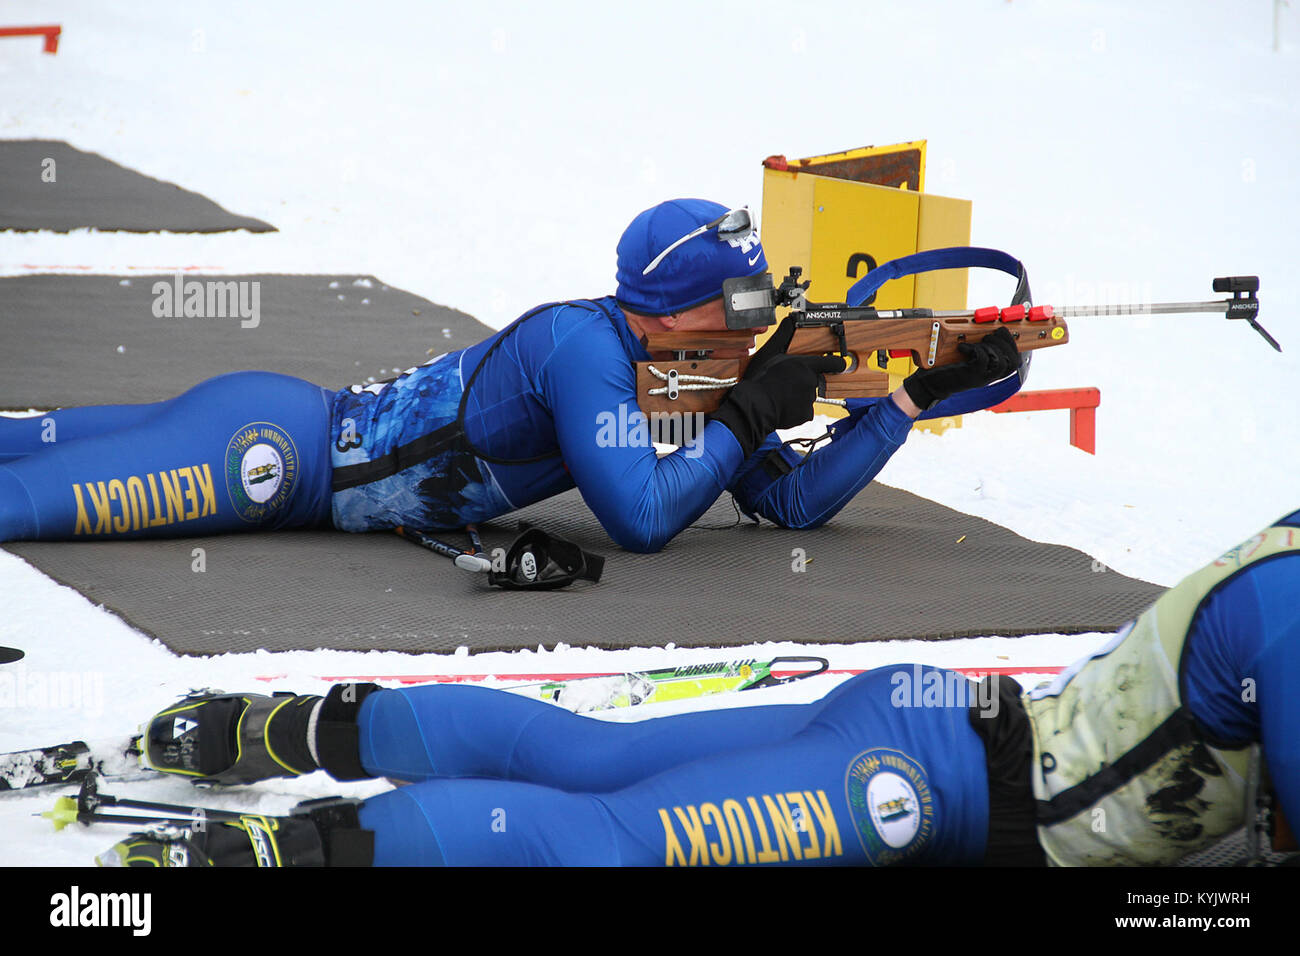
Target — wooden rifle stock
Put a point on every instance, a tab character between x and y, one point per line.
692	381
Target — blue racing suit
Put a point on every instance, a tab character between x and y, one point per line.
880	771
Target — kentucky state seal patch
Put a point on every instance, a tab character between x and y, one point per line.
261	470
891	803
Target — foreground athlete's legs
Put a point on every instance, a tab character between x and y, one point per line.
849	779
244	451
20	437
447	731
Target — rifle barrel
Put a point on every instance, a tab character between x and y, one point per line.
1235	308
1143	308
1075	311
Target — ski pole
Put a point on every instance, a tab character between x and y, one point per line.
73	810
65	812
465	560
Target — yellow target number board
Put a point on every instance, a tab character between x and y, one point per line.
840	215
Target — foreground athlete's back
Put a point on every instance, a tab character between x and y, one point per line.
1142	750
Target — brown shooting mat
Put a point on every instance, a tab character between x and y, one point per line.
48	184
95	339
889	566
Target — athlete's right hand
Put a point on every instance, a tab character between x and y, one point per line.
777	390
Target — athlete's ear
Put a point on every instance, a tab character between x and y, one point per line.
669	322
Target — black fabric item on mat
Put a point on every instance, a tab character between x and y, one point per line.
889	566
89	191
62	335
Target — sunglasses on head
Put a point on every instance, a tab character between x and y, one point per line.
730	225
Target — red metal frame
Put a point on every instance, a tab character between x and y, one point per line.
51	34
1082	403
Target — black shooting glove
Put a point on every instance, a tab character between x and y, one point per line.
777	390
987	361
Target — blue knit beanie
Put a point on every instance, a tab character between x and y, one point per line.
693	272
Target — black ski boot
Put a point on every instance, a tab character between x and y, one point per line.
216	738
318	833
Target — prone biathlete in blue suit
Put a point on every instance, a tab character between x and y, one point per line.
539	407
1136	755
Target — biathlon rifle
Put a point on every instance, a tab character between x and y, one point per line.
693	381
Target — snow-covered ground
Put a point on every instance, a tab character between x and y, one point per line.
487	157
